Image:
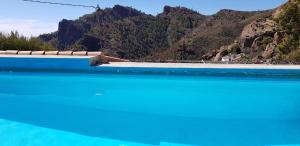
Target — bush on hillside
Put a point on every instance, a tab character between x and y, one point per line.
14	41
289	22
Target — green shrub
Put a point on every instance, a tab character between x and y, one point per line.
14	41
293	56
289	22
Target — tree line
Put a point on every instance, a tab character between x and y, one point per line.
15	41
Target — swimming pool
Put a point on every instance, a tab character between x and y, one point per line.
246	108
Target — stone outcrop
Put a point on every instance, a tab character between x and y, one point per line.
258	42
278	36
270	51
255	47
258	34
69	32
221	53
232	52
258	28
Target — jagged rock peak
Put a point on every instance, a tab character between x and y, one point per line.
123	8
125	11
169	9
227	11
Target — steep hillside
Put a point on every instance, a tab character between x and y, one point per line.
214	31
273	39
176	34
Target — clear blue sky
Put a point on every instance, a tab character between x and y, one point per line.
33	19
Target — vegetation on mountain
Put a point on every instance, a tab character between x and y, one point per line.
215	31
175	34
14	41
289	23
180	34
274	38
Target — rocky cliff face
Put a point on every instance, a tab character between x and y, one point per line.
176	34
259	41
72	32
256	44
213	32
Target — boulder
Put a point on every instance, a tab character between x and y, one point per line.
97	60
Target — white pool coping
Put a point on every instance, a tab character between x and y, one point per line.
199	65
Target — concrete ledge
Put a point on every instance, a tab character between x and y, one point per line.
65	53
11	52
51	53
113	59
37	52
80	53
24	52
94	53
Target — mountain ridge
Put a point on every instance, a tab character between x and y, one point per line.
177	33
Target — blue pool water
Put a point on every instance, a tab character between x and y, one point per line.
90	109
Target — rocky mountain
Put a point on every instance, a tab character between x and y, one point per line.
214	31
177	33
272	39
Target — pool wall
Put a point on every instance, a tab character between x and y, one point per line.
13	63
82	65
